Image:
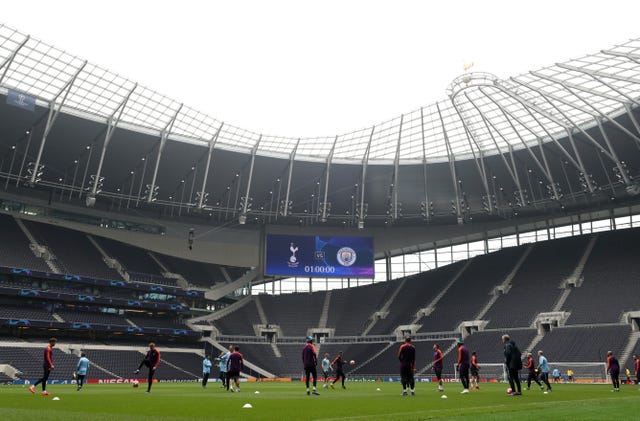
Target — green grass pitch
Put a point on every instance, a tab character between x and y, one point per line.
288	401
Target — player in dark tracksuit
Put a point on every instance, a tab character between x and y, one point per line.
47	366
437	365
235	364
513	362
151	361
533	374
463	366
613	368
407	357
310	362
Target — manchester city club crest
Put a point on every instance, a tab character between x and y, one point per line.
346	256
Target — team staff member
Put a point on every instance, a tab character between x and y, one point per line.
463	366
47	366
533	374
235	364
206	371
151	361
513	361
437	365
310	362
81	370
407	357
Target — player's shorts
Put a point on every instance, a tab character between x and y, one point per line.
438	372
233	373
406	372
473	371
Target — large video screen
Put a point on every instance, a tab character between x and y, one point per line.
319	256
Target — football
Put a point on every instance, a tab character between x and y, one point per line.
352	362
135	383
509	391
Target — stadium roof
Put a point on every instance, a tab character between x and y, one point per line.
483	115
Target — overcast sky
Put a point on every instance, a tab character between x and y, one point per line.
307	68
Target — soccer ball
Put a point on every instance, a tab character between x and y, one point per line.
509	391
135	383
352	362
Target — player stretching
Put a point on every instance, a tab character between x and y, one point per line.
437	365
235	364
338	363
407	357
81	370
326	367
151	361
47	366
613	368
310	362
474	369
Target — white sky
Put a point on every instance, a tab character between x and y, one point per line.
307	68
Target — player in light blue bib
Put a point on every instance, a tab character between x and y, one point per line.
81	370
326	367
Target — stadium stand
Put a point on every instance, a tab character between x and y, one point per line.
294	313
350	309
240	322
535	288
199	274
584	343
612	274
17	253
91	317
25	312
74	253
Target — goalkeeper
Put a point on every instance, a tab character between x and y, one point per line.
533	372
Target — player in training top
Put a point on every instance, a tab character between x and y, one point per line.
310	362
636	365
437	365
235	364
222	365
151	361
543	369
532	371
206	371
407	357
338	363
613	368
47	366
326	367
81	370
474	369
463	366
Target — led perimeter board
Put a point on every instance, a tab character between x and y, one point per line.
319	256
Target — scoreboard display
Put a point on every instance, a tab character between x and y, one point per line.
319	256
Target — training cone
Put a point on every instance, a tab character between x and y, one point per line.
257	392
443	397
247	405
56	398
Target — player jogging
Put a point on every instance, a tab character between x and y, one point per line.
151	361
543	368
47	366
81	370
206	371
407	357
310	362
235	364
613	368
532	372
326	367
437	365
222	365
338	363
474	370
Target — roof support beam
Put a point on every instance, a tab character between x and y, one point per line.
7	62
242	219
54	111
603	115
396	170
452	168
622	170
633	57
427	205
112	123
365	161
633	118
212	144
583	170
285	208
324	211
598	76
479	162
163	140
